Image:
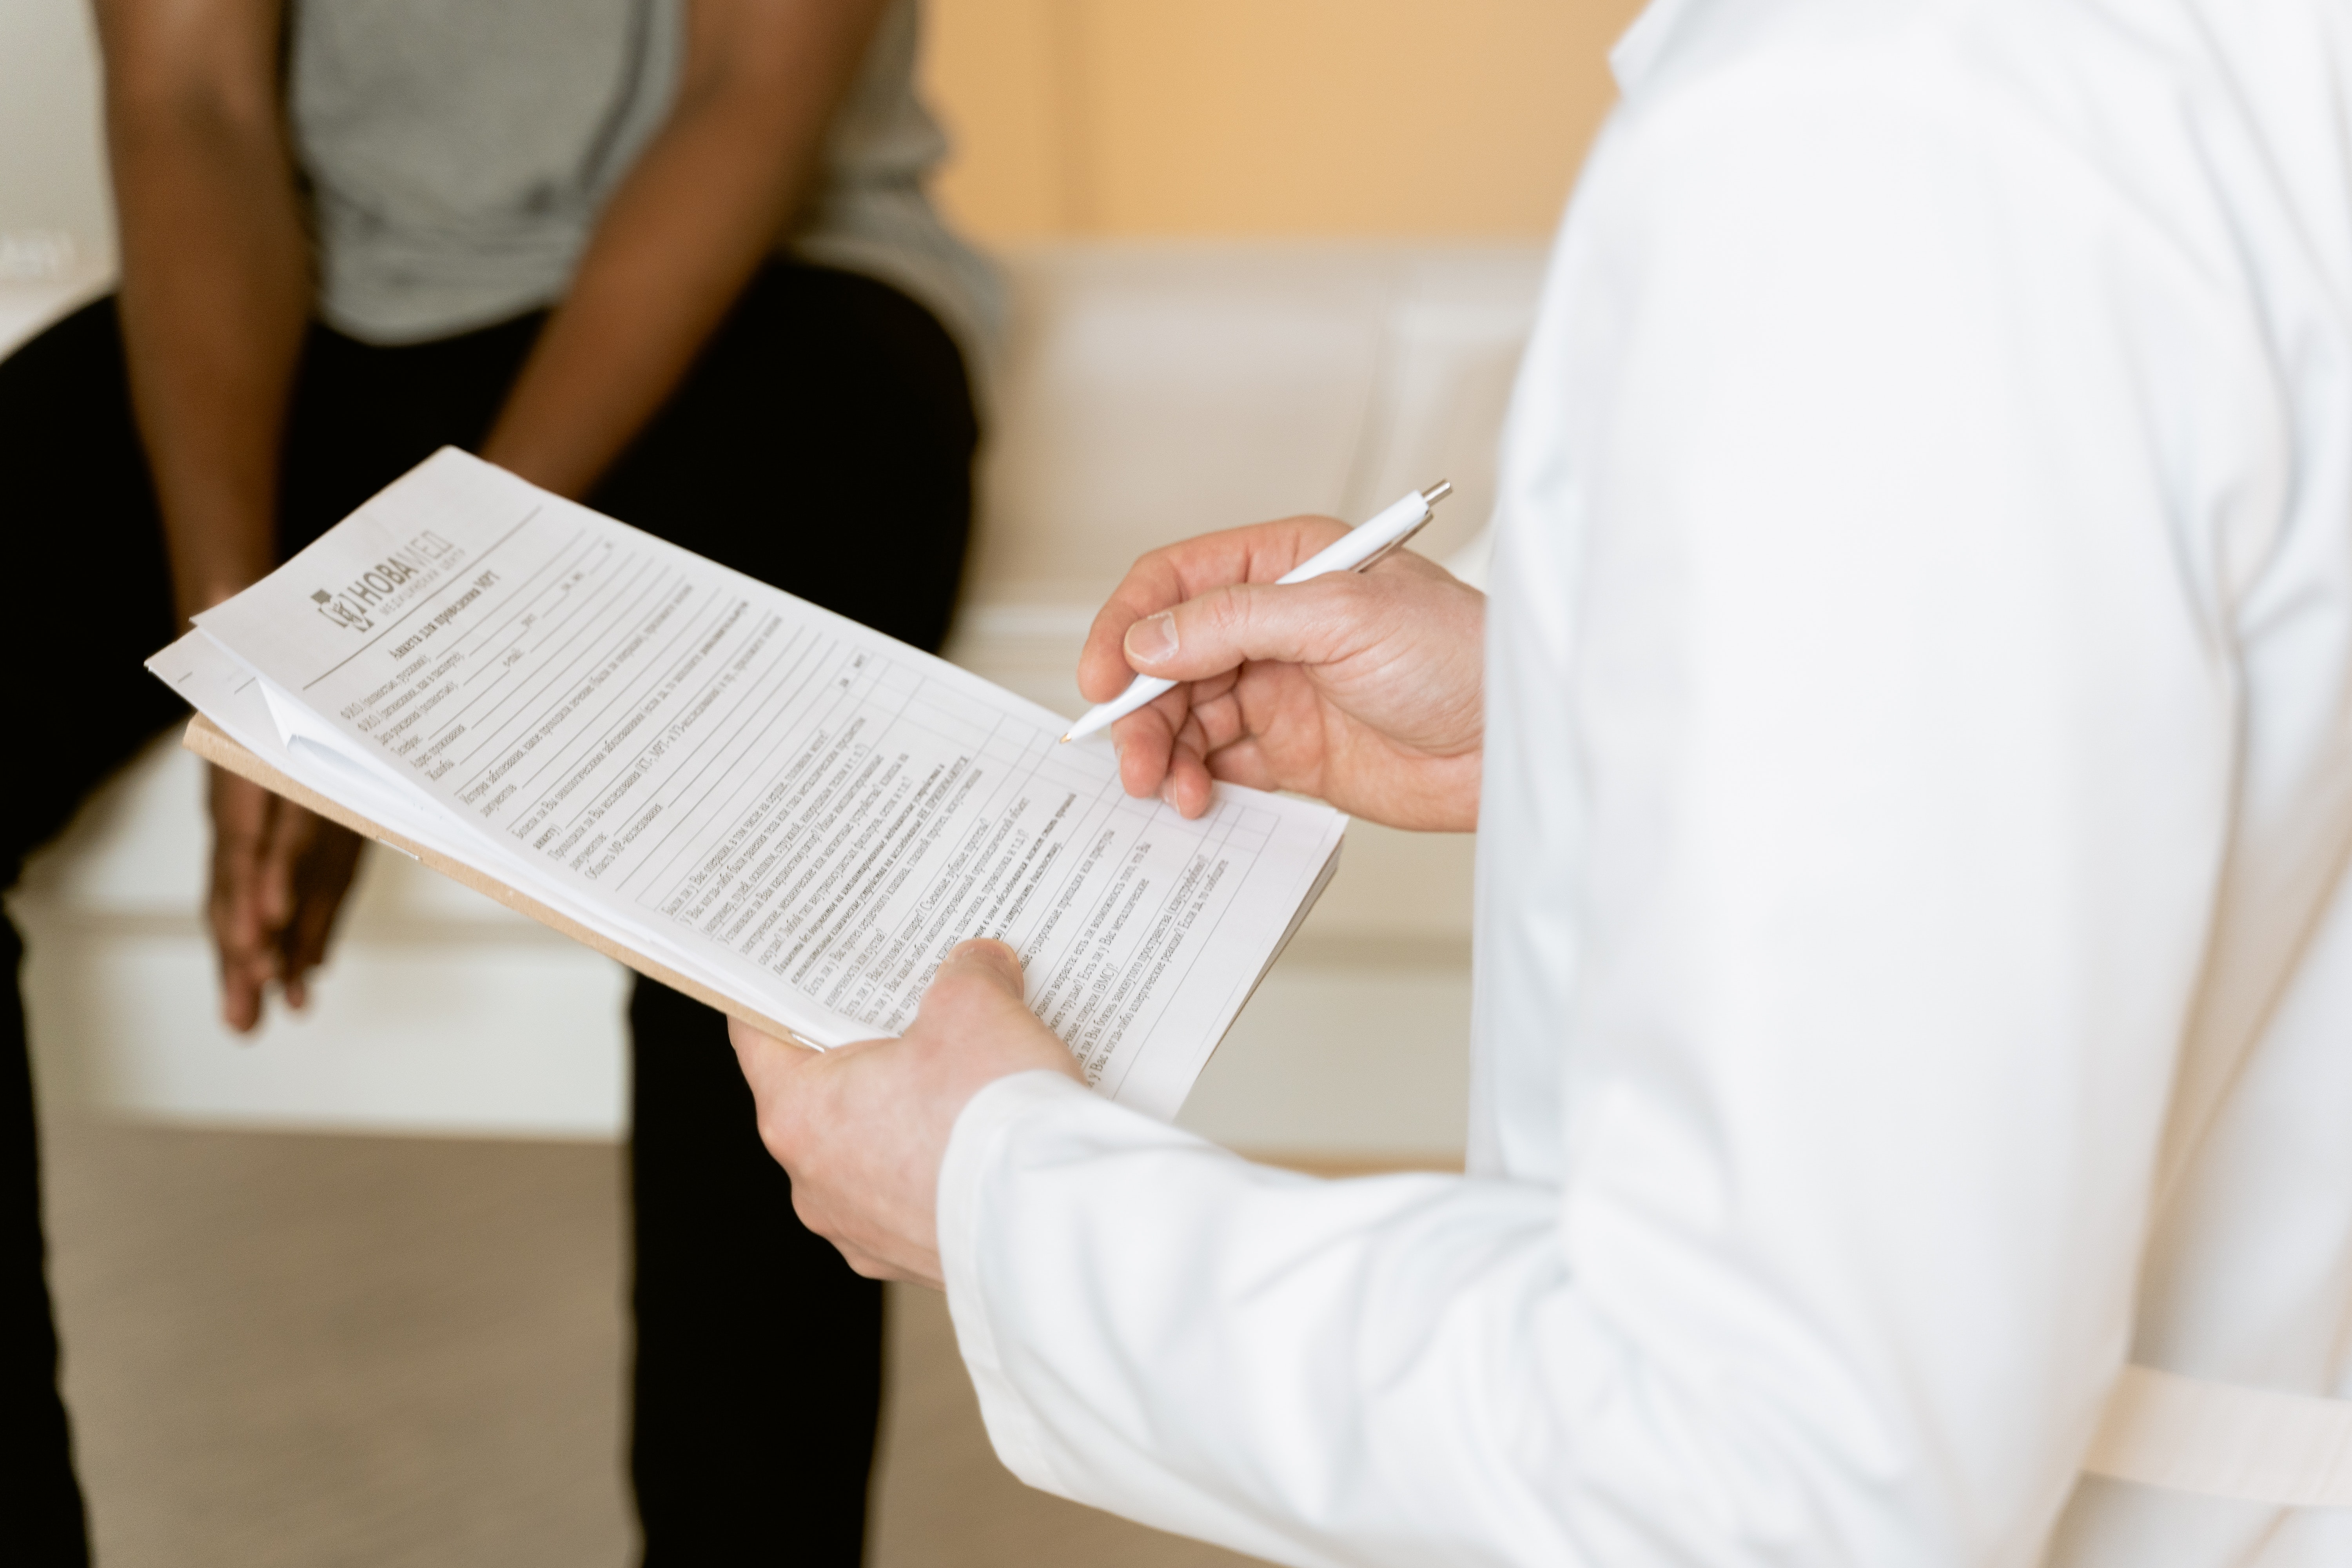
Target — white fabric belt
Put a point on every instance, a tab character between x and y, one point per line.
2290	1450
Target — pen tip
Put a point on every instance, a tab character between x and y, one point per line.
1062	742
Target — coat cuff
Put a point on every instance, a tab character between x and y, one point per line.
974	1147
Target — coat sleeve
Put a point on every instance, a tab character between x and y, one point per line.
1875	475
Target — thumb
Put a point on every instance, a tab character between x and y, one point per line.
978	977
1301	623
987	961
975	1007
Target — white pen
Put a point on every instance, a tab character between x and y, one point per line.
1364	545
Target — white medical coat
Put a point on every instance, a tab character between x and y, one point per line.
1915	953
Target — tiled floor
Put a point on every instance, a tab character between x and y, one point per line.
291	1350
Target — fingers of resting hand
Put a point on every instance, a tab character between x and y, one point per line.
276	897
288	839
321	879
241	814
1168	576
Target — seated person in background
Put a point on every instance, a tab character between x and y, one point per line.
1911	746
674	258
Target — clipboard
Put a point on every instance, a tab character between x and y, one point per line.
212	744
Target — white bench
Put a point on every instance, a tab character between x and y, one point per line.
1147	392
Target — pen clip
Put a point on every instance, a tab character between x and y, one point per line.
1399	543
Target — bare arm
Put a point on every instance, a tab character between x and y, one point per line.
216	292
684	232
216	271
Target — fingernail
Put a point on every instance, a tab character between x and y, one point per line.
1150	641
991	953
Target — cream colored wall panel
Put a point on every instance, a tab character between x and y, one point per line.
1397	898
1339	1063
1157	392
1450	354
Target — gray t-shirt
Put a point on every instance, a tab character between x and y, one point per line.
458	152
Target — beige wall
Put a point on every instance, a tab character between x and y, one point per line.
1267	117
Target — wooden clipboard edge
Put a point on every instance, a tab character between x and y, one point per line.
212	744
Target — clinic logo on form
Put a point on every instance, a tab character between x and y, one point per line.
342	611
382	588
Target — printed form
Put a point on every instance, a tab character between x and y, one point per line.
796	810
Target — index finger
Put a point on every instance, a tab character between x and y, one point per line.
1175	572
751	1037
766	1062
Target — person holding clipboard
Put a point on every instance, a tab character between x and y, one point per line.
1910	740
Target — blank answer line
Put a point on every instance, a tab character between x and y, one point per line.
742	699
503	667
523	600
784	714
623	690
788	711
656	669
587	628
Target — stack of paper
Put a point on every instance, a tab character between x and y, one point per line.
744	796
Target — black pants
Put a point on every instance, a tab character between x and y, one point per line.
824	443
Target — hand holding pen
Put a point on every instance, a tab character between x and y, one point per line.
1276	662
1358	550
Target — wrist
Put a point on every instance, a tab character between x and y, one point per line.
547	464
221	544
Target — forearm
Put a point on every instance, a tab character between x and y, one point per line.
1156	1327
684	232
1417	1371
215	292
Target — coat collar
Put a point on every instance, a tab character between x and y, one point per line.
1639	52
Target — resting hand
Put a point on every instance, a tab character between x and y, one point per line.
863	1128
280	874
1363	688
